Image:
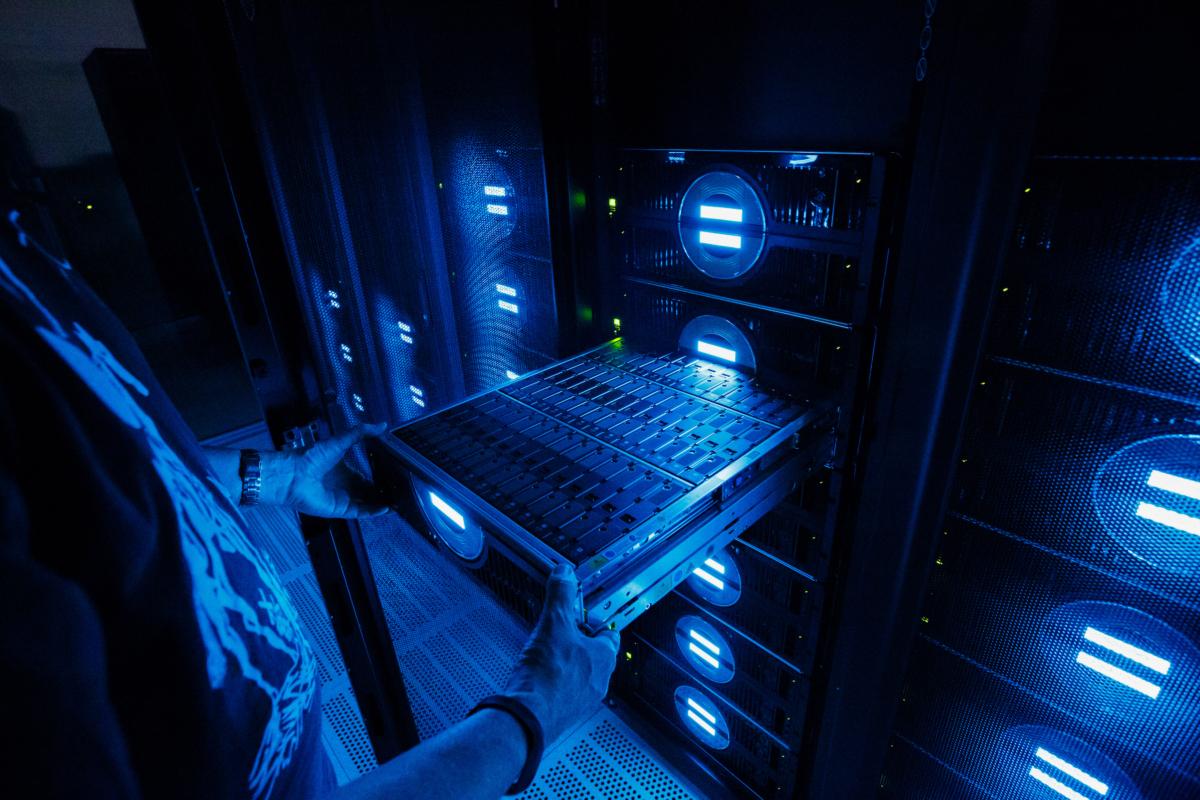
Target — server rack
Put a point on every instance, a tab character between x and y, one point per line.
379	168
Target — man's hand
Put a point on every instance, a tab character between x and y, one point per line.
318	481
562	674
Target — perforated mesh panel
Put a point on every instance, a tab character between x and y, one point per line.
605	759
1052	562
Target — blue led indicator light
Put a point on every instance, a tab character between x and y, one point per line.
1172	519
800	159
716	351
494	191
1066	768
701	717
346	354
497	209
416	391
404	337
507	291
675	157
1127	651
404	326
721	212
450	512
507	306
715	239
512	376
1174	484
708	577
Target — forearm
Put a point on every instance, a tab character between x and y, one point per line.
276	474
479	757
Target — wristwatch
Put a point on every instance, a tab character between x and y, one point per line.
250	471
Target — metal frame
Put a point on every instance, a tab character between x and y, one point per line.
974	137
615	595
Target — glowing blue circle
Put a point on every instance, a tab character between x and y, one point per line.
701	717
1055	755
452	526
705	649
1179	301
722	224
1143	495
1125	667
717	580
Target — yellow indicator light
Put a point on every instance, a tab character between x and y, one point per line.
628	656
612	203
1028	189
925	620
1005	289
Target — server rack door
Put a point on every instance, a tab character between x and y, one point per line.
1057	644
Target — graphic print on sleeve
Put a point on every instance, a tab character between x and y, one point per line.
216	549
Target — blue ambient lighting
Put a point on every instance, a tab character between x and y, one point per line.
507	291
717	580
701	717
715	239
716	350
512	376
1172	519
704	648
498	209
1055	784
507	306
1066	768
800	159
721	212
1174	484
494	191
448	510
1147	494
1148	660
1119	675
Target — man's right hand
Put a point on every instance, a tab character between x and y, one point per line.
562	674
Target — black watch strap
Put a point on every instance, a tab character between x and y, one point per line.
250	471
535	738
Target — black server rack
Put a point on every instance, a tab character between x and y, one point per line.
1056	652
677	348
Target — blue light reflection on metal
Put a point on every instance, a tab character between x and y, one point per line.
717	580
701	717
1067	768
1136	654
705	648
1184	523
717	351
1117	674
715	239
450	512
1174	484
720	212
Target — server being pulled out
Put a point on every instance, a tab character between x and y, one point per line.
791	328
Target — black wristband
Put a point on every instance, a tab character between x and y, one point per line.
535	738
